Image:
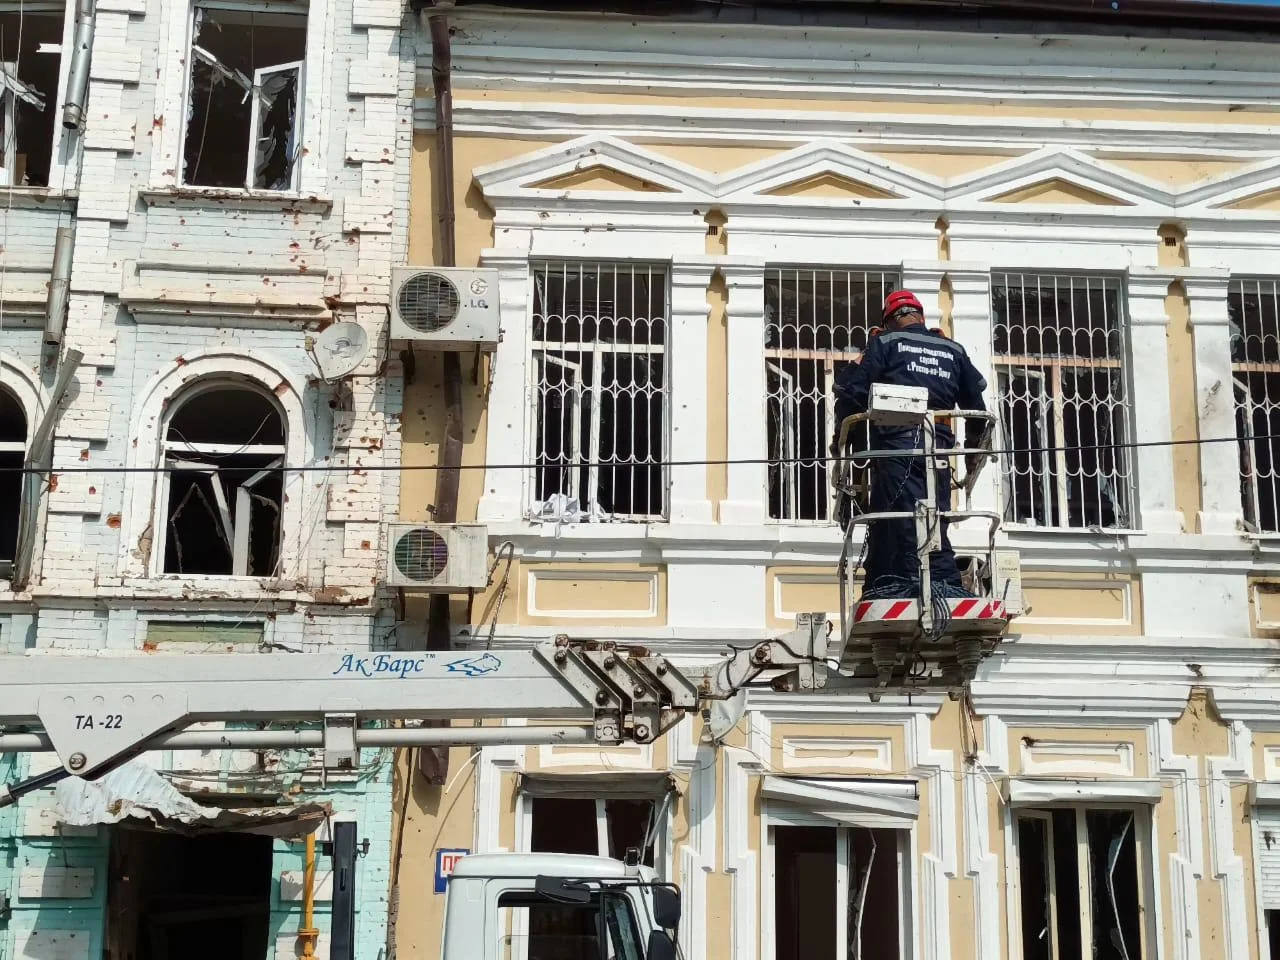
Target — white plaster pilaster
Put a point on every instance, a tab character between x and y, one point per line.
924	279
508	403
1148	398
740	861
698	851
746	502
1186	863
938	866
687	391
1221	509
1225	861
981	865
491	765
971	328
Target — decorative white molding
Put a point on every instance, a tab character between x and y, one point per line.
537	575
541	52
888	130
1082	757
490	767
863	755
1029	791
698	850
982	866
1186	865
144	450
512	186
747	481
687	407
740	861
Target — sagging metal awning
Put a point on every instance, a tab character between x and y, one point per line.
876	804
135	795
639	785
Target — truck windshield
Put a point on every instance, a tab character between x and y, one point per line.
531	927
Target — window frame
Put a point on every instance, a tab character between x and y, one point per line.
17	447
824	360
307	12
58	163
845	881
538	352
1057	474
1145	854
238	534
1250	505
661	831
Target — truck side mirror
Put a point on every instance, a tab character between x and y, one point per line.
661	946
666	907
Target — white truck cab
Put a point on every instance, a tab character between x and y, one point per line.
554	906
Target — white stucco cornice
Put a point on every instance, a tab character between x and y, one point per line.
1133	204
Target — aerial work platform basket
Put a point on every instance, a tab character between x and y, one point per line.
924	636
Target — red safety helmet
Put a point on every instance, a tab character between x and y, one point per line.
900	300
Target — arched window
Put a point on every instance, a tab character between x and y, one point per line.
224	445
13	452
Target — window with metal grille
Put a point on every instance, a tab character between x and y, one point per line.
816	321
600	385
1254	310
1060	357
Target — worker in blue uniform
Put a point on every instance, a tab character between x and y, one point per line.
907	353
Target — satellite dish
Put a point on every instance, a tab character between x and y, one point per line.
339	349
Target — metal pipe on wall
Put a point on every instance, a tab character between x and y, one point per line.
78	76
55	310
435	21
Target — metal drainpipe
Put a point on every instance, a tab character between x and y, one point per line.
55	311
78	82
435	19
308	933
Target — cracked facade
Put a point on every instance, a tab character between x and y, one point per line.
228	197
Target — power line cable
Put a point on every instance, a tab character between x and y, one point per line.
744	461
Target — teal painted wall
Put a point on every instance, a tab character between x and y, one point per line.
367	800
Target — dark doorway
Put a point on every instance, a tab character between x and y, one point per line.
805	893
200	898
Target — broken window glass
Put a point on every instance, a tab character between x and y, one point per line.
13	451
224	446
30	63
244	99
1080	884
596	828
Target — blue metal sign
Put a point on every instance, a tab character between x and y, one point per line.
446	860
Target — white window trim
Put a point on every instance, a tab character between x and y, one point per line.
1028	791
855	803
147	505
60	166
168	146
31	397
663	838
1147	855
234	516
597	352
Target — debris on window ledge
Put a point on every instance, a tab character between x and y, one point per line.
285	201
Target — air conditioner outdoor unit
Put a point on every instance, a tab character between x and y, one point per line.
437	557
445	308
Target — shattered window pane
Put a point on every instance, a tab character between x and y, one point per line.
30	52
13	445
224	447
244	99
1079	877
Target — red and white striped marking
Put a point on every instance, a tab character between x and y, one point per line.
975	609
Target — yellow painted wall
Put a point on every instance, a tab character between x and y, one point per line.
431	818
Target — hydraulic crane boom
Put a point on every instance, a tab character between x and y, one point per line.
96	712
